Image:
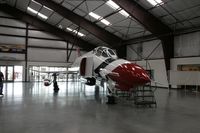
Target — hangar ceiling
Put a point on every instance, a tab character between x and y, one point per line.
176	14
121	26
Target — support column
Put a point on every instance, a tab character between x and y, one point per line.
26	53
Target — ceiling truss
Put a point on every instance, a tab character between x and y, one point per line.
151	23
45	26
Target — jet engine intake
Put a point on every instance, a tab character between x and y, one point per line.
90	81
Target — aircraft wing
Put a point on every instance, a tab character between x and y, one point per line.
57	72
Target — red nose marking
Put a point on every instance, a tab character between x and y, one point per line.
130	75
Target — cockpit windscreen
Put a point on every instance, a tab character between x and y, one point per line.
105	52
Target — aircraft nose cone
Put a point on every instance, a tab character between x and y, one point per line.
136	73
132	74
144	77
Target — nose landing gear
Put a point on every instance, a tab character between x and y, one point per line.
111	100
55	84
111	90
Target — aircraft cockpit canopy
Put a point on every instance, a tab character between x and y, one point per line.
105	52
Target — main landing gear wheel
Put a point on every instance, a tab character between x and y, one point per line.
55	86
111	100
111	95
91	81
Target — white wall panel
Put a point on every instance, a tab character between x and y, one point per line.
12	22
145	49
11	40
73	56
184	61
184	78
158	66
49	55
35	33
32	63
11	31
131	52
47	43
187	45
148	48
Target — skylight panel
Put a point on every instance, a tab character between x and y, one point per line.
76	32
36	12
69	29
94	15
80	34
32	10
42	16
114	6
124	13
155	2
104	21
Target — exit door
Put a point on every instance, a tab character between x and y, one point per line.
8	72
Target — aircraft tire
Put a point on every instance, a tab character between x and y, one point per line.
91	81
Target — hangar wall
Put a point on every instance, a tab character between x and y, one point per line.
43	49
12	31
187	45
186	50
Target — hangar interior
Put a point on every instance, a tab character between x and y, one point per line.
161	36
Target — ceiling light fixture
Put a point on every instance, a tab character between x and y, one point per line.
94	15
124	13
75	31
36	12
155	2
69	29
32	10
42	16
114	6
104	21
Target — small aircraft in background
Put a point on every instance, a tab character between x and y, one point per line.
103	64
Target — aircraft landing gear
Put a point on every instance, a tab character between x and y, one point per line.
111	92
111	100
55	87
55	84
111	97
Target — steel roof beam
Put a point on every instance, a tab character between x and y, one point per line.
87	25
149	21
45	26
152	24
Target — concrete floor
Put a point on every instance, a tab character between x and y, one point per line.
32	108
